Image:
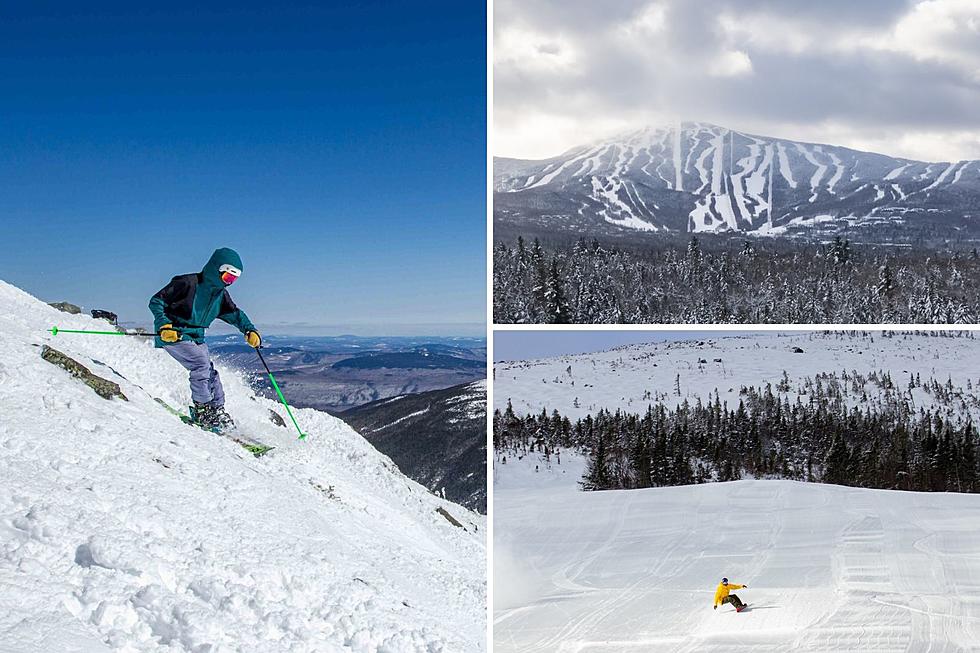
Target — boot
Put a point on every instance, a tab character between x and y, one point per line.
204	415
223	419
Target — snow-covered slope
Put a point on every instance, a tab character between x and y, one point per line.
634	376
123	529
829	568
697	177
438	438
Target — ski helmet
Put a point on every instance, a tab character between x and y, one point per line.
724	581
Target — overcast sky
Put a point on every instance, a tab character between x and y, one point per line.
901	77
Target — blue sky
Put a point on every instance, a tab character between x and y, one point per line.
339	147
522	345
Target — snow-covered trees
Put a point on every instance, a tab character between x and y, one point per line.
884	444
590	283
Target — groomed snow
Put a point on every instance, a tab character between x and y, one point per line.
123	529
829	568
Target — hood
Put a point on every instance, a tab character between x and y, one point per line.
219	258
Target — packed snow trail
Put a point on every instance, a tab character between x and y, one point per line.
122	528
829	568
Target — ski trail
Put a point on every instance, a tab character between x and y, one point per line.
678	173
784	168
959	172
941	178
699	165
896	172
546	179
818	173
839	171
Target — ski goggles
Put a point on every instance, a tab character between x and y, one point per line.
229	274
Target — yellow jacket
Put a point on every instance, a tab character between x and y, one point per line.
723	591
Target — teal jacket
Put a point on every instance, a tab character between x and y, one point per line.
191	302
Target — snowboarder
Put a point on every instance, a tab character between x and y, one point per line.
723	596
182	310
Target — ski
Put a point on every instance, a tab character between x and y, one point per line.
254	447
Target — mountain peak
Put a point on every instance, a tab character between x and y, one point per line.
699	177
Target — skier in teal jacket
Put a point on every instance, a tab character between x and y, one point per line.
182	310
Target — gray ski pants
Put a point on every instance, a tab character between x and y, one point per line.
205	382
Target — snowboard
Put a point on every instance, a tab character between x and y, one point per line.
253	446
744	605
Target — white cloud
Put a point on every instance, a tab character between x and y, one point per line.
530	50
946	31
534	134
733	63
881	75
650	21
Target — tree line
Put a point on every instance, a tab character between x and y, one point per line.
886	442
589	283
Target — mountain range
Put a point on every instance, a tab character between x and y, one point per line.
335	375
437	438
698	177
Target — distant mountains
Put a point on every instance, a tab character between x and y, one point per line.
437	438
698	177
338	373
410	360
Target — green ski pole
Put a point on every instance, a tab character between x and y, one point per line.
279	392
55	331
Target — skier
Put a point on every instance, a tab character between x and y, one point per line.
722	595
182	310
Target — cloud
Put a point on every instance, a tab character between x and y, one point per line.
945	31
731	64
899	77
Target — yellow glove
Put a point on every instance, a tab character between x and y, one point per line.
253	338
168	333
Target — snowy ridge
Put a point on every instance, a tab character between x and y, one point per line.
718	179
632	377
123	529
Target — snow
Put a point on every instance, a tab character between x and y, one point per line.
609	196
469	406
941	178
678	173
838	172
546	179
730	186
817	174
401	419
123	529
959	171
623	377
829	568
784	168
896	172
